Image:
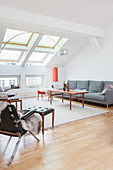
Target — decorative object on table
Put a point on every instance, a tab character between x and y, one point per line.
67	86
64	86
52	86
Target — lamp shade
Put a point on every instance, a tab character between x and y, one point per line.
55	74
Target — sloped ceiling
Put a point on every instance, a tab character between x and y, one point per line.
76	20
97	13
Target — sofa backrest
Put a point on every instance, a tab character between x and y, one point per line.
72	84
106	83
83	84
96	86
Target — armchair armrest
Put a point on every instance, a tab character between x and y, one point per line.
109	96
28	114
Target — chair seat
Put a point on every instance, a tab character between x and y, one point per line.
41	92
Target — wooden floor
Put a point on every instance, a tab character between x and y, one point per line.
83	145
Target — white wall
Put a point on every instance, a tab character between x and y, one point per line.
91	64
47	72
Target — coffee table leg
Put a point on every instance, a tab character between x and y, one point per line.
70	100
62	98
21	104
82	100
50	97
53	118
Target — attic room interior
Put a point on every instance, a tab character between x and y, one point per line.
56	84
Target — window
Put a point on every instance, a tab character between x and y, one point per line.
23	37
37	57
34	81
8	81
10	55
48	41
16	45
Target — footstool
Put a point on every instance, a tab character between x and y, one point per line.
43	112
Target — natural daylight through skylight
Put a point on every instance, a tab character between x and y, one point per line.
22	38
20	47
48	41
10	55
37	57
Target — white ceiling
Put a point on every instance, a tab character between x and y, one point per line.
94	13
97	13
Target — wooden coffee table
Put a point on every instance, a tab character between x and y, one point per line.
11	100
55	92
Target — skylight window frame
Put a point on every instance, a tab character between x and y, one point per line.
20	44
40	46
39	61
11	61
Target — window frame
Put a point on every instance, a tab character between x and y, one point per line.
35	86
10	76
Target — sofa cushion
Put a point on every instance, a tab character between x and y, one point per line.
82	84
95	96
72	84
96	86
106	83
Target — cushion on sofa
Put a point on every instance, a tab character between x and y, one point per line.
107	83
72	84
96	86
82	84
95	96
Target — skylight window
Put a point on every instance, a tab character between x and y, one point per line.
22	39
10	55
17	44
48	41
37	57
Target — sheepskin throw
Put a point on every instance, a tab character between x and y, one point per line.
33	123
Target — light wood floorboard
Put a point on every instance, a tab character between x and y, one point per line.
84	145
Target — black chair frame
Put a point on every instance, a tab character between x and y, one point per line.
11	125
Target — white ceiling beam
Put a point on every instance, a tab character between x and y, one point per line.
96	43
32	45
2	34
10	14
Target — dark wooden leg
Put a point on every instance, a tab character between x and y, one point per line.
53	114
16	105
82	100
50	97
38	96
10	101
62	98
21	104
42	123
70	100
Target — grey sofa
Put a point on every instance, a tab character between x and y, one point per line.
95	89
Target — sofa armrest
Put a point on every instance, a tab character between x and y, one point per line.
109	96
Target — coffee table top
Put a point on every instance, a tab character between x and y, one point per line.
67	92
